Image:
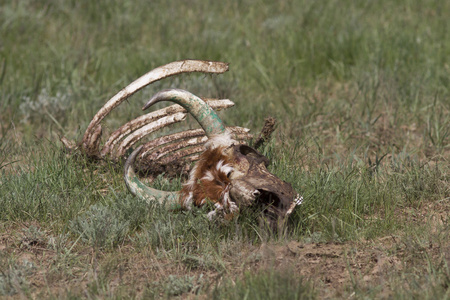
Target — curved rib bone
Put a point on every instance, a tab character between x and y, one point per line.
166	139
143	120
167	149
137	135
135	124
93	132
181	154
185	139
185	152
189	145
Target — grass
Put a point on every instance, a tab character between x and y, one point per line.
361	93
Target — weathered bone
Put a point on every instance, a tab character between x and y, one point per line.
137	123
145	120
175	138
132	132
266	132
161	146
93	132
186	152
173	152
168	149
135	136
188	144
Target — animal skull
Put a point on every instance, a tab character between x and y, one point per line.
229	174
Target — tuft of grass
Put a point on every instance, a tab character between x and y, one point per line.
100	227
177	285
266	285
42	190
13	276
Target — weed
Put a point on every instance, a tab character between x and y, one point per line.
100	227
266	285
13	276
438	126
6	147
178	285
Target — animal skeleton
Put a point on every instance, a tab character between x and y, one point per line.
228	173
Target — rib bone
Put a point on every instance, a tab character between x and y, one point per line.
130	140
165	150
173	154
134	137
184	139
151	145
166	156
143	120
93	132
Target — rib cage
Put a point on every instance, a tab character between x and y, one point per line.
158	148
132	132
143	120
172	152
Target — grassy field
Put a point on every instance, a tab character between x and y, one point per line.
361	92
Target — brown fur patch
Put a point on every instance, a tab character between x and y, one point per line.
205	188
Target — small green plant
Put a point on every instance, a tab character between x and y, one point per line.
266	285
174	286
438	126
6	146
34	236
100	227
45	105
13	276
178	285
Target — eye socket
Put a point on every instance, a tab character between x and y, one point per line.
246	150
229	174
253	154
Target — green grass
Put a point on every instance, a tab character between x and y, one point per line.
361	91
267	285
